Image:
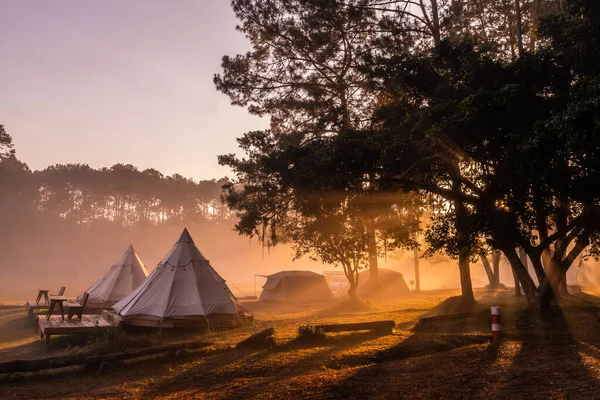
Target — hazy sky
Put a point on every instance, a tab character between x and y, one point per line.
107	81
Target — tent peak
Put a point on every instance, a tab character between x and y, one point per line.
130	249
185	237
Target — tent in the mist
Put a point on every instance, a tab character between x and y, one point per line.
391	284
183	291
298	286
119	281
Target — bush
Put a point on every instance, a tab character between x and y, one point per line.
309	333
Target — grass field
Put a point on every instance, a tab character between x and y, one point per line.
553	357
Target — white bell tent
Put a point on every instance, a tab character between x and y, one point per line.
120	280
184	286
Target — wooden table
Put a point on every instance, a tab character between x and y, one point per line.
42	293
56	300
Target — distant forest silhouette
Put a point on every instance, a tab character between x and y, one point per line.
67	224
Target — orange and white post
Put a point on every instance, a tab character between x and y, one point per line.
496	324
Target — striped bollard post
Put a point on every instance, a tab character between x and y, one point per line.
496	324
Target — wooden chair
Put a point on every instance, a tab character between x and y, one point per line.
60	292
76	308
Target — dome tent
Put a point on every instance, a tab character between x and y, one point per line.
183	291
391	284
119	281
302	286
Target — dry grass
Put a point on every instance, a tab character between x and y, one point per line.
552	357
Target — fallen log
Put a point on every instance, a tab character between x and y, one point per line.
357	326
454	316
259	338
91	358
98	359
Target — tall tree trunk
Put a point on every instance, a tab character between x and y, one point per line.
488	268
557	270
519	26
538	267
563	290
432	23
464	246
558	5
464	254
517	284
435	19
465	275
521	274
352	276
496	265
417	275
508	18
524	259
352	292
372	250
537	10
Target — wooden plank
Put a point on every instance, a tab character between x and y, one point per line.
358	326
85	322
56	326
91	358
454	317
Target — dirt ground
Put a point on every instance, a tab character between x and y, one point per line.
552	357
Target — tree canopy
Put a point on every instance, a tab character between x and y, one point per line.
487	116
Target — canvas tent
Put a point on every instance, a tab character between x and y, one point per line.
184	290
304	286
391	284
119	281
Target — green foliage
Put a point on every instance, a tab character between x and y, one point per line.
6	145
501	149
310	334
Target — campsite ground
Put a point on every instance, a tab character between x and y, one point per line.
556	357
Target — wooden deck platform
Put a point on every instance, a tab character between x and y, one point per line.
32	308
88	324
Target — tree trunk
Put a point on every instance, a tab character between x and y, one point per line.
519	26
563	290
537	10
352	291
464	248
508	17
538	267
372	249
517	284
525	261
488	268
521	274
557	270
417	276
465	277
549	288
496	264
435	19
432	23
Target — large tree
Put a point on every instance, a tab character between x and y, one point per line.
303	72
505	139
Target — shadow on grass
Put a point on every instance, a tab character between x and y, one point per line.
542	360
548	363
417	367
258	368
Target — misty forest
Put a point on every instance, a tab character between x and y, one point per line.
419	220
